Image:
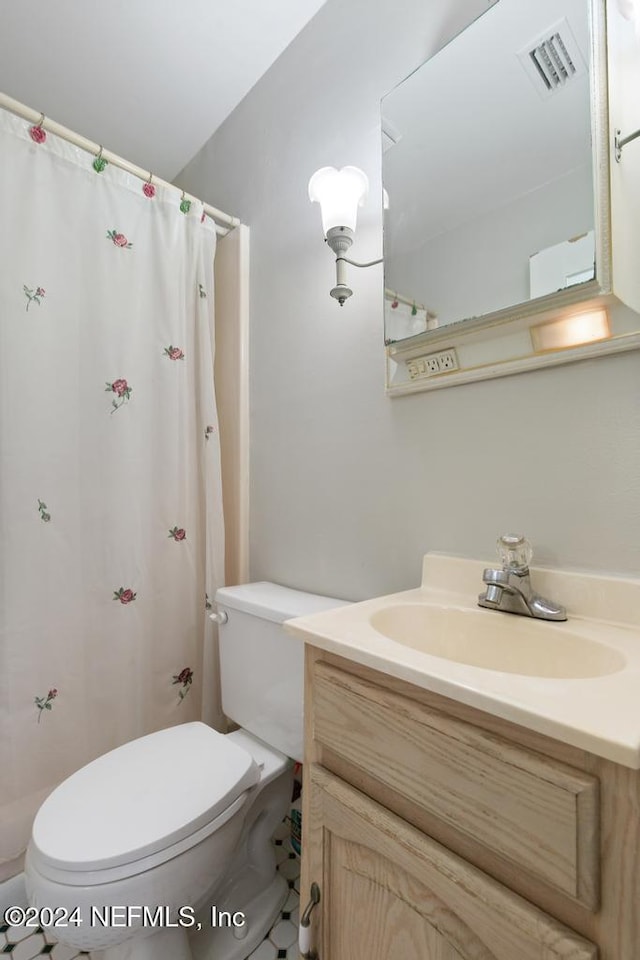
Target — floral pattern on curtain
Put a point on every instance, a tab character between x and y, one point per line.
110	493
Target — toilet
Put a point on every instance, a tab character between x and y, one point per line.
162	848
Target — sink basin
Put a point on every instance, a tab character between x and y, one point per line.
497	641
576	682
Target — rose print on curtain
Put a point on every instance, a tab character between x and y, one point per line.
174	353
112	525
119	239
44	703
124	595
184	679
33	296
122	392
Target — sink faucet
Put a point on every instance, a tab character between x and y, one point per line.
509	588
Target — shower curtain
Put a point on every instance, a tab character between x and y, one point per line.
111	529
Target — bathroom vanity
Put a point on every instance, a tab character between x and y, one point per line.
448	816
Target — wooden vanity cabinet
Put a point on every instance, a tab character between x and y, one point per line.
439	832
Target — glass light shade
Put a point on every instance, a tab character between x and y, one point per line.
339	193
571	331
630	9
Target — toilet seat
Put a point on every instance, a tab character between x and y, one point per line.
124	871
141	804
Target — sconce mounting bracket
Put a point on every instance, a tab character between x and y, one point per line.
620	142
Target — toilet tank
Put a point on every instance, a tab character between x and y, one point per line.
261	665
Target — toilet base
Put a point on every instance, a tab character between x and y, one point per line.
229	943
162	945
209	943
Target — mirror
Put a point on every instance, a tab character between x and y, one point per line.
513	223
487	162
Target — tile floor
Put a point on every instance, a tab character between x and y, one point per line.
282	939
20	943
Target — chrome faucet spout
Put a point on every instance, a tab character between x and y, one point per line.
509	588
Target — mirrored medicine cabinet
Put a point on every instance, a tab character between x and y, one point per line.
512	234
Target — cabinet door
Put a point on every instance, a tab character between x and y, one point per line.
388	891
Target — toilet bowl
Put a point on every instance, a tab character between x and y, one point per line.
99	848
161	849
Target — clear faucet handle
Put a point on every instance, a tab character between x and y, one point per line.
514	551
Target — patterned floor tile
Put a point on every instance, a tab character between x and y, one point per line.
292	902
16	934
290	868
282	854
28	948
62	952
283	934
266	951
283	831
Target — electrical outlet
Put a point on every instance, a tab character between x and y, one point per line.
415	369
432	365
448	360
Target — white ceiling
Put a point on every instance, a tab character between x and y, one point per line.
148	79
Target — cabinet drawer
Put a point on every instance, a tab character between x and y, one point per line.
389	891
538	813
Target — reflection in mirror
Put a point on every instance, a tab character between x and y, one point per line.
562	265
487	160
404	317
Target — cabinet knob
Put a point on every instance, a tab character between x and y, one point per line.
304	929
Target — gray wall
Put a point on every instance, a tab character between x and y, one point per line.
349	488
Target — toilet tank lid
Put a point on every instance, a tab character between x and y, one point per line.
142	797
273	602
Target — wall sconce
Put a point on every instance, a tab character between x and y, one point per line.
340	193
630	10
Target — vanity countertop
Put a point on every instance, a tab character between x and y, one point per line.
598	713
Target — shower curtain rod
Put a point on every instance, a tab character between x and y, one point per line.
224	222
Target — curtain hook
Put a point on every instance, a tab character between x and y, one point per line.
100	162
148	188
37	132
185	205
